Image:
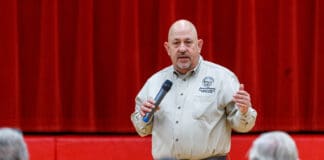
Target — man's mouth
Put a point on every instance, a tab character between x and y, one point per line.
183	58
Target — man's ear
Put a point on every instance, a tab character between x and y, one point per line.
166	46
200	44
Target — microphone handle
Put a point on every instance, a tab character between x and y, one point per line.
158	98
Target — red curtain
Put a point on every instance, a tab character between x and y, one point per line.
76	65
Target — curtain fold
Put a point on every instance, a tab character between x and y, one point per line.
9	64
77	65
317	72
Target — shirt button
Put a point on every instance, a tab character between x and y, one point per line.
181	94
179	107
184	79
177	122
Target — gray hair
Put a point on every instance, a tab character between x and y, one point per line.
275	145
12	145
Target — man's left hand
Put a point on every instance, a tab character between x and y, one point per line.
242	99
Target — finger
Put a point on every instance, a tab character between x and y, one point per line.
151	101
246	102
241	97
242	92
149	104
145	108
241	87
243	102
242	105
245	96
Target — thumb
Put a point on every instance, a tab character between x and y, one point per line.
241	87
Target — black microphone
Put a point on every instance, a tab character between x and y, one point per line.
158	98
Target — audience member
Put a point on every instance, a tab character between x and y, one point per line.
275	145
12	145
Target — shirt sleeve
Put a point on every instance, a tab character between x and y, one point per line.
141	127
238	121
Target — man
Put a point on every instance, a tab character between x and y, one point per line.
205	102
12	145
275	145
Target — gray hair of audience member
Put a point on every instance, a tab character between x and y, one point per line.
275	145
12	145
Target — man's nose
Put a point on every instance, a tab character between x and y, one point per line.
182	47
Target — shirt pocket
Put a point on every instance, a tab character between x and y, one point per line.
204	107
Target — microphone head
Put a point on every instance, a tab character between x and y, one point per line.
167	85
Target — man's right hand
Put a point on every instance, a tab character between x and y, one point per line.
147	106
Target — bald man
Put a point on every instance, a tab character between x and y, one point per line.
204	104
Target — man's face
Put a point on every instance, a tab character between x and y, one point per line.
183	48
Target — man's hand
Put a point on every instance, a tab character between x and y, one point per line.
242	99
147	106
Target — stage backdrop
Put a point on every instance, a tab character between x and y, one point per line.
76	65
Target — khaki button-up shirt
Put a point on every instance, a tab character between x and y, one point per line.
196	116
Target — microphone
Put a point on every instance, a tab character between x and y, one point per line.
158	98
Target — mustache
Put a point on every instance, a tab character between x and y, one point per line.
184	55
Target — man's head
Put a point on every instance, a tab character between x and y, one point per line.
12	145
183	46
274	145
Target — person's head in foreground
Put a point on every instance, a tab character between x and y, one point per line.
275	145
12	145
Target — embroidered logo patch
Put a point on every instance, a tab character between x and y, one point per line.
207	82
